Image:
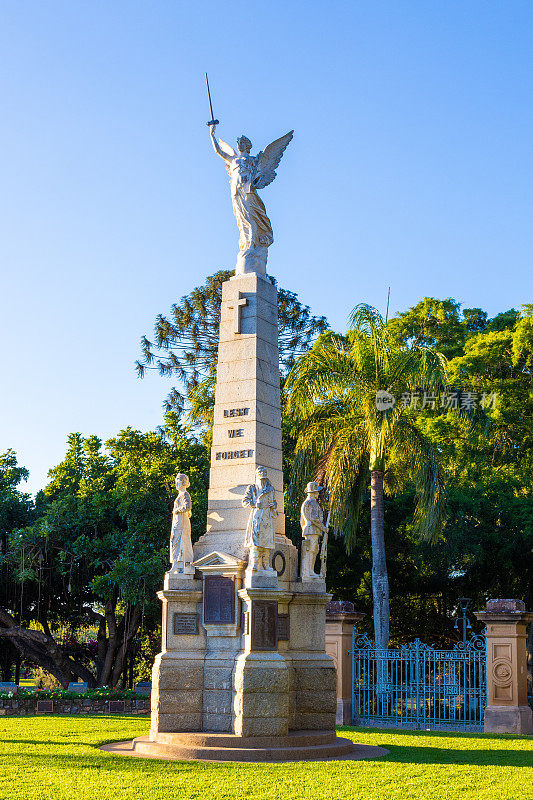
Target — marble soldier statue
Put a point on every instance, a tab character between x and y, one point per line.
247	174
261	500
181	554
311	521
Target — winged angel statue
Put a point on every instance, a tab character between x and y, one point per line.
247	174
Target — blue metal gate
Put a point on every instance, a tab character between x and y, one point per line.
419	686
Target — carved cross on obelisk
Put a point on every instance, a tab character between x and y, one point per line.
236	306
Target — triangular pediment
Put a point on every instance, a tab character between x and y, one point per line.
216	560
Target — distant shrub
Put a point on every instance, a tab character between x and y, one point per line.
102	693
44	679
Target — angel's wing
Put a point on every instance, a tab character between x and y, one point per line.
269	161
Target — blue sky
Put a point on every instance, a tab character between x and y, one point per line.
410	167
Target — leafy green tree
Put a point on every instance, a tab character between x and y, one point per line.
474	319
489	534
185	344
523	341
434	323
346	438
96	554
503	321
15	506
16	510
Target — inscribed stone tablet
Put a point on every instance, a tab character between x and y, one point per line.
9	687
264	624
45	706
185	624
116	706
219	600
144	687
283	628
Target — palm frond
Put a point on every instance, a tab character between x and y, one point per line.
413	459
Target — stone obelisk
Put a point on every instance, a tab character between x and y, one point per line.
246	435
247	416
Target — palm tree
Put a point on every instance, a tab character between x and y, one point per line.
349	431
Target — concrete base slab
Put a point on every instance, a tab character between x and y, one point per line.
297	746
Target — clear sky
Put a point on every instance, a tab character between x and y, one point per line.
410	167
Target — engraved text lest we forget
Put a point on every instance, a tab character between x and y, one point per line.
236	412
227	455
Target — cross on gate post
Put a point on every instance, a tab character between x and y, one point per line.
236	305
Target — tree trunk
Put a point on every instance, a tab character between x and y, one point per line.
530	659
133	618
130	673
8	656
380	580
43	650
118	642
112	644
101	644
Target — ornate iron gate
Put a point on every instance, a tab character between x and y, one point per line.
419	686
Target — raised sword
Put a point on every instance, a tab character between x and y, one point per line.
212	121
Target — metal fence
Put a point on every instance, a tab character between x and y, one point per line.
419	686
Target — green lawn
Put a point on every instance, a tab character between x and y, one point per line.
56	758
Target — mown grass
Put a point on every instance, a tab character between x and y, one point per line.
56	758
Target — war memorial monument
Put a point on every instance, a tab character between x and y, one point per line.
243	673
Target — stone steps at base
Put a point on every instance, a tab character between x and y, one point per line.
216	739
339	748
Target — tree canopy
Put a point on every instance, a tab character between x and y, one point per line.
185	344
487	543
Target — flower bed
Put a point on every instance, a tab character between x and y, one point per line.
93	701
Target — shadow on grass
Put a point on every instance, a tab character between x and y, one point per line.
433	755
442	754
447	750
100	761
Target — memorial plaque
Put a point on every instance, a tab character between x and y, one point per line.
144	687
45	706
283	628
264	624
219	600
8	687
79	687
186	624
116	706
